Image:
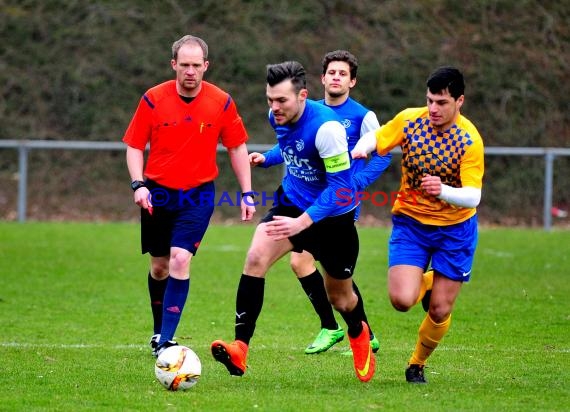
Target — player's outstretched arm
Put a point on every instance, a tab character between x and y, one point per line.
272	157
372	171
364	146
256	158
240	164
282	227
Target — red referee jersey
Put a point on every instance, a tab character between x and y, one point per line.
183	136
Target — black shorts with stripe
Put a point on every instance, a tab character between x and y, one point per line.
179	219
332	241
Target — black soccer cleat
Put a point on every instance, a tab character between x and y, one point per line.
160	348
153	342
415	374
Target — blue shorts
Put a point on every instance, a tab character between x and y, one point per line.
179	219
450	249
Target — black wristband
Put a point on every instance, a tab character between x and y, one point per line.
137	184
250	193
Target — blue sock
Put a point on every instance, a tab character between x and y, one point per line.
174	300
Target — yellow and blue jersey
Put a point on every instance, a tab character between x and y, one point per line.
455	155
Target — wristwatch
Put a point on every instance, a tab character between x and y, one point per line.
137	184
251	194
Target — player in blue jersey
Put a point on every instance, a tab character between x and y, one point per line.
338	78
306	215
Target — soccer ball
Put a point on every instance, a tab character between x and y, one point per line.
178	368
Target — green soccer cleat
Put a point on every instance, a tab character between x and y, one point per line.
325	340
375	344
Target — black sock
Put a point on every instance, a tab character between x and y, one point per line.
365	319
354	319
249	301
314	287
156	289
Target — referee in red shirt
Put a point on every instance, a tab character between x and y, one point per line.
183	120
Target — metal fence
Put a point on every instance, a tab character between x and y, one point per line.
25	146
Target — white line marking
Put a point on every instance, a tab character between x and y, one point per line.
262	346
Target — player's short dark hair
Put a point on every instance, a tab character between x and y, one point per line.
341	56
447	77
289	70
189	39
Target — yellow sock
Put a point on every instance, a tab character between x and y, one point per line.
427	284
429	336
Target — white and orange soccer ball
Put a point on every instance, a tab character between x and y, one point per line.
178	368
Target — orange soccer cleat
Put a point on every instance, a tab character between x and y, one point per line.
364	360
231	355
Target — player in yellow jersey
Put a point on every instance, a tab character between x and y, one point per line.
434	217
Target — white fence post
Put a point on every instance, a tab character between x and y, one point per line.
548	177
22	181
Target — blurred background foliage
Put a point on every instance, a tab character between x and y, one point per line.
75	70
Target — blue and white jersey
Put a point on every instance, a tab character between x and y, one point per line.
315	152
358	120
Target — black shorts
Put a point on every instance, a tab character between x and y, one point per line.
179	219
332	241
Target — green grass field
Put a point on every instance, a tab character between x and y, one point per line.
75	321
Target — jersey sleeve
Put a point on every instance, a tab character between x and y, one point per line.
332	145
233	131
378	163
391	134
472	165
372	171
369	122
139	130
272	157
